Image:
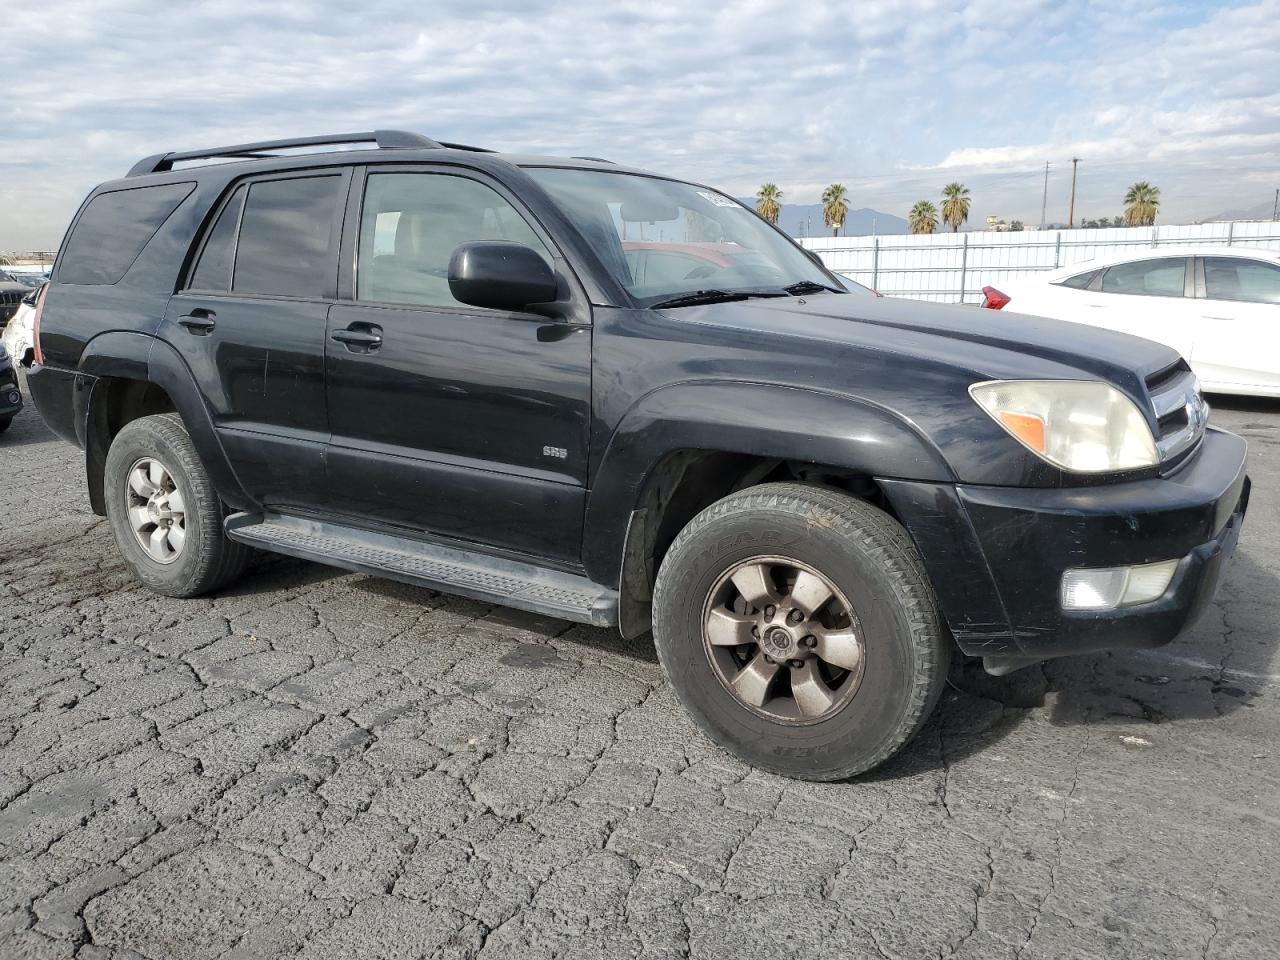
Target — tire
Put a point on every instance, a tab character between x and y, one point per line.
205	559
5	423
893	650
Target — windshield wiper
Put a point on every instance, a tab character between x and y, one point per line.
801	287
698	297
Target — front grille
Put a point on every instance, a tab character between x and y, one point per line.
1181	413
11	296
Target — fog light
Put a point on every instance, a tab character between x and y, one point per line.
14	396
1106	588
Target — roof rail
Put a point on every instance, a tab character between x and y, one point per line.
595	159
385	139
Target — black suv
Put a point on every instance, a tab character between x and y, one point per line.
621	399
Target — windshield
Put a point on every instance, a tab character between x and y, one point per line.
662	239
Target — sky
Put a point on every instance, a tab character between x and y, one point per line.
892	98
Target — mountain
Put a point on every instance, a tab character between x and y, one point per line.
805	220
1262	211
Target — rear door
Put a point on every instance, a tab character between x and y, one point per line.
446	418
251	326
1238	346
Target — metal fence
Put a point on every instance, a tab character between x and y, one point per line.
954	267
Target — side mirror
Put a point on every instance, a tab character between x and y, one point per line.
500	275
813	255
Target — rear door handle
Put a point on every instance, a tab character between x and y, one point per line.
360	338
198	321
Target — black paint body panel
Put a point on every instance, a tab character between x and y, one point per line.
536	436
996	554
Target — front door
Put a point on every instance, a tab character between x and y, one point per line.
445	418
251	326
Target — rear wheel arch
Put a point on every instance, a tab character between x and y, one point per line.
134	375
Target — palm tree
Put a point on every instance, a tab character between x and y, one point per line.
769	202
923	217
955	205
834	208
1140	204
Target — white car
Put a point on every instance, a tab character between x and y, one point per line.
1217	306
19	336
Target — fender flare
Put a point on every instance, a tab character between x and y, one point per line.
141	357
758	419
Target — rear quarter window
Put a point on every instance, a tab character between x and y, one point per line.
1080	281
114	228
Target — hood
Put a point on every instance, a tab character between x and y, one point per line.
987	344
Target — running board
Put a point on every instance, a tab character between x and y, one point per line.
466	573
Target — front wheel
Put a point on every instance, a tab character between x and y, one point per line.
5	423
798	628
164	512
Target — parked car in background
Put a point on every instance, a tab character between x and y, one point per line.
33	280
12	292
1217	306
10	395
19	333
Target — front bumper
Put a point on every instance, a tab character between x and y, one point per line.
996	555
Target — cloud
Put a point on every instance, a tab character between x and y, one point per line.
890	97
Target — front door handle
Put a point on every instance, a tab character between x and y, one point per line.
199	321
360	338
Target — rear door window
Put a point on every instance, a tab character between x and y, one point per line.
213	272
287	245
1233	278
114	228
1165	277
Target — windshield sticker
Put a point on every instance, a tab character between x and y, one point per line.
716	199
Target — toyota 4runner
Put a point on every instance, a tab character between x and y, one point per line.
617	398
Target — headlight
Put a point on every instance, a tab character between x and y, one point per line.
1084	426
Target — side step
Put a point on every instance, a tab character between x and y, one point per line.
466	573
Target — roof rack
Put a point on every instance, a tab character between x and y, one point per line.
385	140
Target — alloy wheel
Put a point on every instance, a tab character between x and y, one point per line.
783	640
157	512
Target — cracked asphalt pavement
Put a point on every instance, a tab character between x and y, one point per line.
324	765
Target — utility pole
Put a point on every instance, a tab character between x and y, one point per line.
1044	199
1071	215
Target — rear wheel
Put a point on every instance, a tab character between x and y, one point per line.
797	626
164	512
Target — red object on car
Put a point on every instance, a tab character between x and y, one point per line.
993	299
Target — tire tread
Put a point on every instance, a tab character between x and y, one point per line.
882	539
